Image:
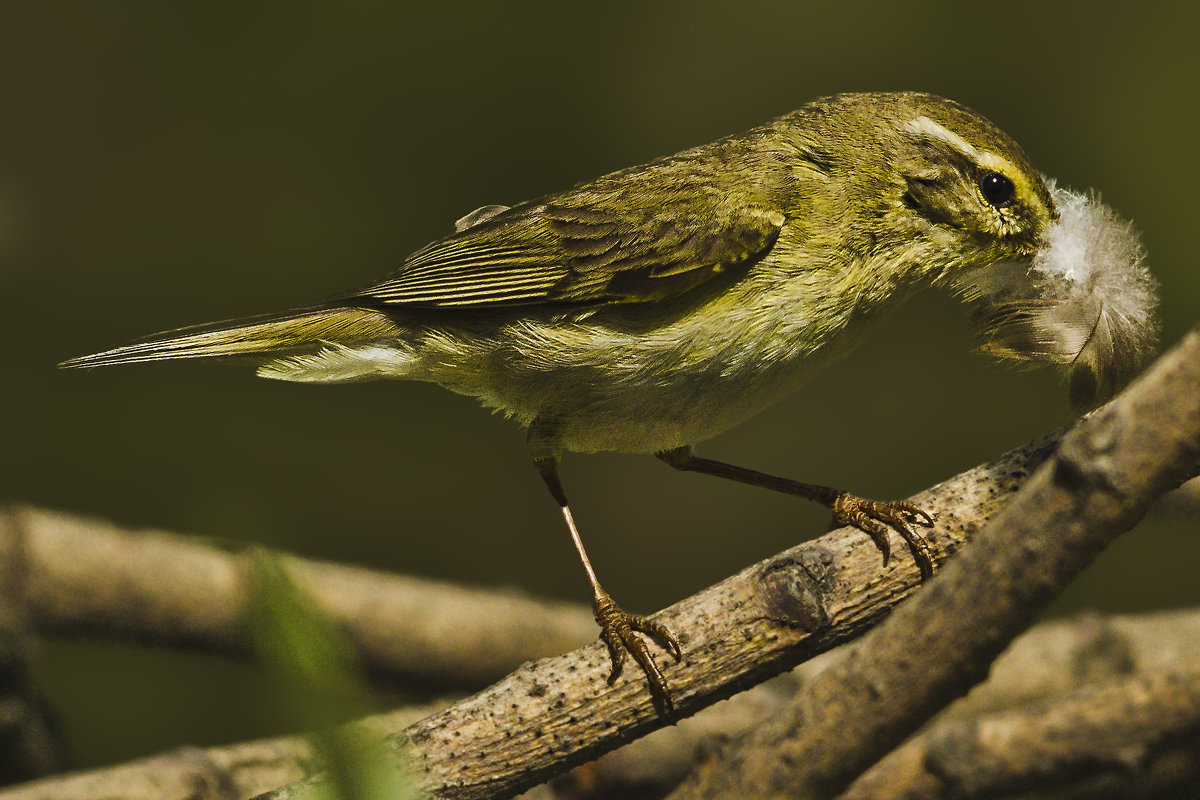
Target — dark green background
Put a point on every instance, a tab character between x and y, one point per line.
166	163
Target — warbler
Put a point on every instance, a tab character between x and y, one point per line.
654	307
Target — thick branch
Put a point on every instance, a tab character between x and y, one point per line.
85	576
935	647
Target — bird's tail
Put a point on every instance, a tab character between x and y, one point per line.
257	339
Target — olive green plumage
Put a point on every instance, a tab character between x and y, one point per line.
661	304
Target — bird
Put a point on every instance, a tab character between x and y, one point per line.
656	306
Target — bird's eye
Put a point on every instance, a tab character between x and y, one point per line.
997	189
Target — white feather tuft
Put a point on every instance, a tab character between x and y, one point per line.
1086	301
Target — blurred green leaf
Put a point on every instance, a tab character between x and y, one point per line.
321	686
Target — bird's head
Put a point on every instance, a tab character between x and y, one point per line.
953	201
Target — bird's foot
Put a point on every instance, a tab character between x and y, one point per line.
619	630
873	517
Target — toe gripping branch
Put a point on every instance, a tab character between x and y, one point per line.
619	630
874	516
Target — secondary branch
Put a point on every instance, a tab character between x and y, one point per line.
84	576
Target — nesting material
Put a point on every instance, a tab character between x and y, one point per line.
1086	301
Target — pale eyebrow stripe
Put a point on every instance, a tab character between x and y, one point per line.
924	125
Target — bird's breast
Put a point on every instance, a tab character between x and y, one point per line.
632	380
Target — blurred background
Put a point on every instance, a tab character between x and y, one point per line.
163	164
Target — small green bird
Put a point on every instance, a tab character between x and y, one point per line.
657	306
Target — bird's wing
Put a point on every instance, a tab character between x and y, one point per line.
582	247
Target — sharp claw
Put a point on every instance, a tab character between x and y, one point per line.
924	563
919	548
658	684
878	534
616	655
918	515
921	554
659	634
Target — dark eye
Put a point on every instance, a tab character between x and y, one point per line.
997	189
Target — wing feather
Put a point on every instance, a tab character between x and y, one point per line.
605	242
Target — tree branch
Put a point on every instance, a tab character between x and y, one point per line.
556	713
215	773
1100	481
1137	734
28	739
85	576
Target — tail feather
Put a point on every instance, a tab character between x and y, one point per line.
269	337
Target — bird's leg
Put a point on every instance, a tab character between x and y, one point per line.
617	629
870	516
